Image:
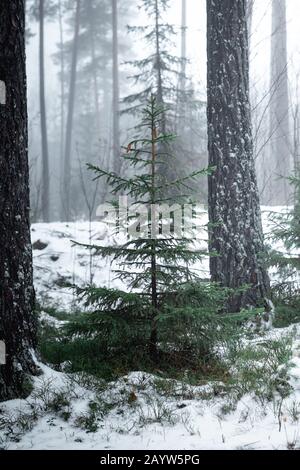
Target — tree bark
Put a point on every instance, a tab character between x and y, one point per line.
70	116
17	321
234	211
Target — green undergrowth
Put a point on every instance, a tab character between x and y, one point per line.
239	363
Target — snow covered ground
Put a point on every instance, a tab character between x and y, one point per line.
57	261
139	411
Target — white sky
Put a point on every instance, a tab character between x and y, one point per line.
196	19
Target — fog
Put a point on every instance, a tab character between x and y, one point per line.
149	227
135	48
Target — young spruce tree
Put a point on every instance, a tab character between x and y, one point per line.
163	293
163	73
287	231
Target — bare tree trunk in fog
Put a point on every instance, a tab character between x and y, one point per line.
296	140
17	319
94	70
250	6
44	134
180	104
163	169
69	128
90	203
159	91
116	91
62	100
234	211
278	188
183	46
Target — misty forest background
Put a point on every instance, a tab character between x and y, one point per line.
163	101
91	67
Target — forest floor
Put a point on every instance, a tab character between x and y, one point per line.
145	411
254	405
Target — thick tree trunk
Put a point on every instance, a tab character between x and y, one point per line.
278	189
234	210
69	129
17	322
44	135
116	91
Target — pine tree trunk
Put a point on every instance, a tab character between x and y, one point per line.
163	149
296	140
181	98
17	322
183	46
158	65
69	129
234	209
279	167
250	7
94	68
116	92
62	102
154	298
44	135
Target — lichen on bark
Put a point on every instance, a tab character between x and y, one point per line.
17	320
234	210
